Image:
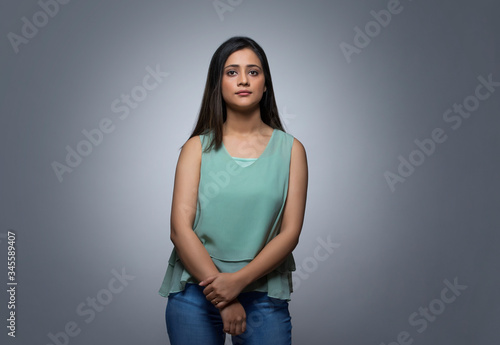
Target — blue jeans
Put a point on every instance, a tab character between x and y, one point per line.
192	320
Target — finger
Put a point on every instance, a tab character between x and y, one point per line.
233	328
207	281
238	328
208	290
211	296
242	324
226	327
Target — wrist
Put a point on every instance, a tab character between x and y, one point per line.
242	279
230	304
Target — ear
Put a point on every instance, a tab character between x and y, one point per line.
265	88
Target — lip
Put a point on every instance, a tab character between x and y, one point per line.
243	92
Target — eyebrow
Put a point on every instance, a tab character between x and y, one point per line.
247	66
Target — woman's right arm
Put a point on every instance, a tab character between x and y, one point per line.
188	246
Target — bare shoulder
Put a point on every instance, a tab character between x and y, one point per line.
298	163
192	147
193	143
190	156
298	150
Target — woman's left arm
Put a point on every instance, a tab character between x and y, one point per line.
227	286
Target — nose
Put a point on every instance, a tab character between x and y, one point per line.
243	79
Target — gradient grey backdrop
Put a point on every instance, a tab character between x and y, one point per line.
393	250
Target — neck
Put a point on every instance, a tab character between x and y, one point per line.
243	122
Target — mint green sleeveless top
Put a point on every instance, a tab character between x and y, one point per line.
239	210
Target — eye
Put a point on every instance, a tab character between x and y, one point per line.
231	72
254	73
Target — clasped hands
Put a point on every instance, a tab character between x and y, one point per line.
221	290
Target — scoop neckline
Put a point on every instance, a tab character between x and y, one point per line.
256	159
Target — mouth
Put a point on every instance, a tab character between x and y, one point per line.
243	92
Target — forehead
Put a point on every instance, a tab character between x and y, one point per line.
244	56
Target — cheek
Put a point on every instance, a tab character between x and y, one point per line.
262	86
225	88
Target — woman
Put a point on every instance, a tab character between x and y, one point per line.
237	210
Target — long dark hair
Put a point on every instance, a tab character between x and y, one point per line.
213	108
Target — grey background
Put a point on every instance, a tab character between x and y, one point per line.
393	249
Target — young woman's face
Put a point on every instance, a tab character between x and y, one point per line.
243	82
